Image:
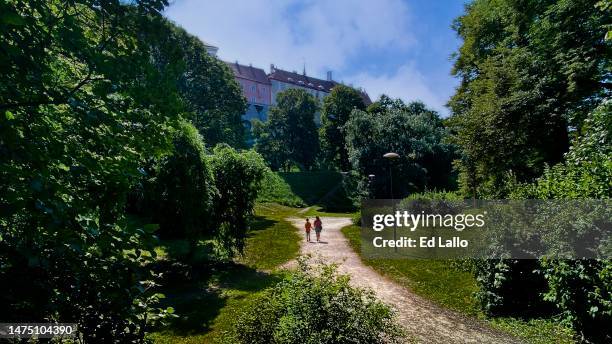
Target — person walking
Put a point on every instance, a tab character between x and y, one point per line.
318	226
307	227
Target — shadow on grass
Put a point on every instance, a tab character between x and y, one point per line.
259	223
322	188
198	300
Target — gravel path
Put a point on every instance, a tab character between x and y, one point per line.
425	321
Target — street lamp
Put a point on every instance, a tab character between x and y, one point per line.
370	186
392	156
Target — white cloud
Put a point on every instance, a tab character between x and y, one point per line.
326	35
406	83
323	34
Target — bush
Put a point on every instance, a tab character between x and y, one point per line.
318	307
581	289
237	177
180	195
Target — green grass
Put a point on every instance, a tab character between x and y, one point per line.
300	189
444	284
210	301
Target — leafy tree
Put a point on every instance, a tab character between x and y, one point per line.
337	108
81	106
416	134
581	289
386	103
317	307
238	177
528	69
290	135
206	85
182	188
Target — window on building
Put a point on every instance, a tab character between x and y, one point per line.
253	88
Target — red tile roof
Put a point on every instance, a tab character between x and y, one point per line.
301	80
249	72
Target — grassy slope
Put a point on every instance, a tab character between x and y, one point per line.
209	303
437	280
300	189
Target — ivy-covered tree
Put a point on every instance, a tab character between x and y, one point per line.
528	70
290	136
337	108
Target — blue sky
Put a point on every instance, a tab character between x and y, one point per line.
398	47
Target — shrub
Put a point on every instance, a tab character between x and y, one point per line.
237	177
311	306
581	289
182	190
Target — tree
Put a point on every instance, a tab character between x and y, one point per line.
182	188
206	85
238	176
337	108
81	106
581	289
290	135
416	134
528	69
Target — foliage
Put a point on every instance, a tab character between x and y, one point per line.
81	106
275	189
337	108
527	69
581	289
451	284
182	188
416	134
208	303
290	135
317	307
206	85
237	177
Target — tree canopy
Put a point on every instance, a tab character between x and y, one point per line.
337	108
529	70
290	135
206	85
413	131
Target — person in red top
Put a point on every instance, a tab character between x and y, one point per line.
307	227
318	226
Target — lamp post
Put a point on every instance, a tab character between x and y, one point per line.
392	156
370	186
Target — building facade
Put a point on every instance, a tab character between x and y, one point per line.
260	90
256	88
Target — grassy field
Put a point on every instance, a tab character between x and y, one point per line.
209	301
441	282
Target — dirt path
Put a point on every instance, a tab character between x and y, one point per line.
427	322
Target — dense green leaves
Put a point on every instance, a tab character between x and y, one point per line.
179	196
337	108
528	69
237	177
81	107
415	133
290	136
321	307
